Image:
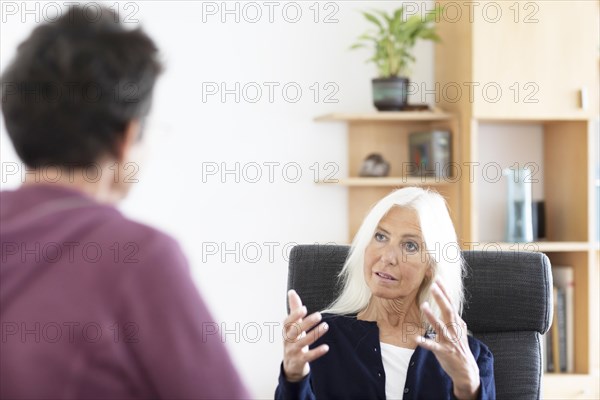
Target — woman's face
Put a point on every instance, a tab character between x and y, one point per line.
395	259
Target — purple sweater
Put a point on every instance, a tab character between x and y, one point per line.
93	305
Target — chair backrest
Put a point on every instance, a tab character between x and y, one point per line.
508	305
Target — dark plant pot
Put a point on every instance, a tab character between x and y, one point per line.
390	94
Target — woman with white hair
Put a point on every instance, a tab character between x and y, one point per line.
395	330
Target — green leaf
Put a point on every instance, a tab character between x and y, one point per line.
366	36
385	16
399	13
430	35
373	19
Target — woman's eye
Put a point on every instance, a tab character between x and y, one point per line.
379	237
411	247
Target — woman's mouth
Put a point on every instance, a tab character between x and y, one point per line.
383	275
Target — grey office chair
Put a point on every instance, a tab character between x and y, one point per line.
508	306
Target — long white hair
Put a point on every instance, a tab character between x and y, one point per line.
445	257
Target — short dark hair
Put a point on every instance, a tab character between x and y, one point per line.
74	85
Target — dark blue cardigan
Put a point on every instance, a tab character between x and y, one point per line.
352	369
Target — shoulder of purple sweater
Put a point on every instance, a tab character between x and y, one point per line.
128	229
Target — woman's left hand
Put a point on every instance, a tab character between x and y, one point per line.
451	346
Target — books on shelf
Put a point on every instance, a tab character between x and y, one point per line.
558	343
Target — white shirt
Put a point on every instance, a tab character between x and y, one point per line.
395	363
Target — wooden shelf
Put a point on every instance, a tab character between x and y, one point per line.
545	247
557	376
533	120
569	386
389	181
386	116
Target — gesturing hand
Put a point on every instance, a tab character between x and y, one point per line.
451	347
296	354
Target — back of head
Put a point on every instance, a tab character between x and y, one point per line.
74	85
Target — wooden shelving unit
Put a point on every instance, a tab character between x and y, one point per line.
510	54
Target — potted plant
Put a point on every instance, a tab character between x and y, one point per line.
393	41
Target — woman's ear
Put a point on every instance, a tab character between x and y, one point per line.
130	137
429	272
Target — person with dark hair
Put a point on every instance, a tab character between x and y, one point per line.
93	305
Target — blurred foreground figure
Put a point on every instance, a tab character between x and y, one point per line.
93	305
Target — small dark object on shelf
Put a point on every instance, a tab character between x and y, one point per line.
538	216
374	166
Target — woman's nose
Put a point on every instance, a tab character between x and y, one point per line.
390	255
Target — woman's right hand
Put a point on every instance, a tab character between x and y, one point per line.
296	354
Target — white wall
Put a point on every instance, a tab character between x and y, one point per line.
185	132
